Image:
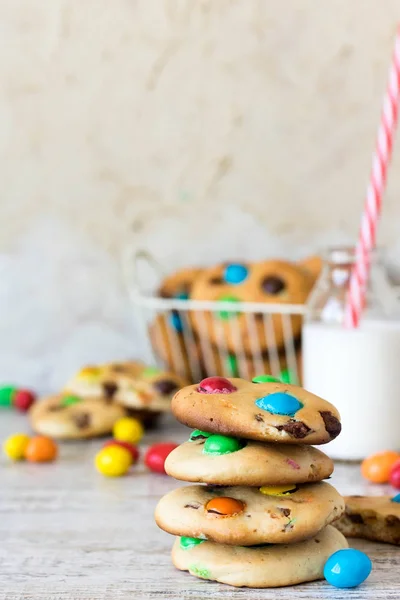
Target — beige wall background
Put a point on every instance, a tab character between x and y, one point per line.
197	129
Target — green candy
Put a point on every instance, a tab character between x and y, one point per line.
265	379
70	400
232	365
197	434
186	543
222	444
287	376
225	315
7	394
150	371
199	571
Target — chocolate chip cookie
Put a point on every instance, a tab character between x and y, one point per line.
264	566
267	282
375	518
245	516
69	416
264	410
132	384
223	460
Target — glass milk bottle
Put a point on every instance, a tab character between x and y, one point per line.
358	370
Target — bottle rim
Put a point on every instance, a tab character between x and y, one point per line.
346	255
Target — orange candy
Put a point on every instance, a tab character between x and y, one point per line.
224	507
41	449
377	467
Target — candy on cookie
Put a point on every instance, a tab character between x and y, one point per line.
267	411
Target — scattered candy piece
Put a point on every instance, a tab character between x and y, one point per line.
197	434
265	379
278	490
292	463
235	273
347	568
156	455
6	395
113	461
396	498
394	476
216	385
225	315
41	449
182	296
224	506
279	403
221	444
377	467
23	400
15	446
128	430
188	542
70	400
134	452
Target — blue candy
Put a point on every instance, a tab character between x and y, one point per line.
396	498
279	404
176	321
347	568
182	296
235	273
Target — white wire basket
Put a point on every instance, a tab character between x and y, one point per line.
180	335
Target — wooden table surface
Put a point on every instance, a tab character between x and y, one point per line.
69	533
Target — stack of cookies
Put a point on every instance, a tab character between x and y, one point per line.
263	517
98	395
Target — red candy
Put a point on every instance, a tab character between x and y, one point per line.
130	447
394	477
23	400
216	385
156	455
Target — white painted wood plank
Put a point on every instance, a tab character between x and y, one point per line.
68	533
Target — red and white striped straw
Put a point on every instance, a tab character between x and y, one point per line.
375	190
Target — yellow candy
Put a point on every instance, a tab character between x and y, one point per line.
128	430
113	461
89	373
15	446
277	490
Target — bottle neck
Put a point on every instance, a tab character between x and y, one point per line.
329	297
